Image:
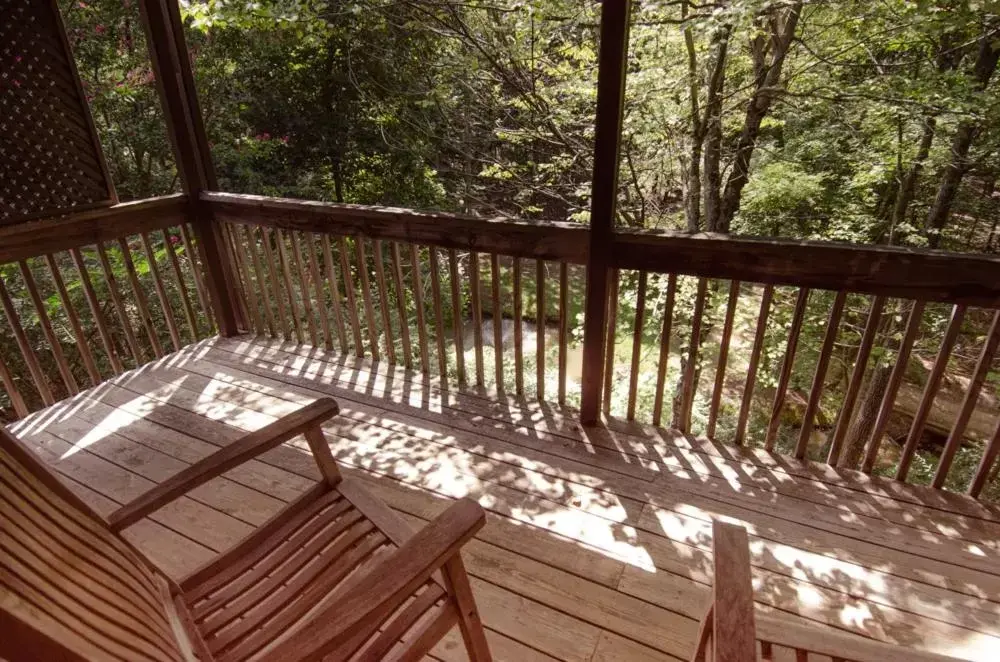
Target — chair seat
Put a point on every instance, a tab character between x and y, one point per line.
274	580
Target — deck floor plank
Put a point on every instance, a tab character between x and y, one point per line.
598	542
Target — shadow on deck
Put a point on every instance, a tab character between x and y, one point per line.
598	544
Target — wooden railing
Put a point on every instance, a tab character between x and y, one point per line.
770	344
871	311
405	288
753	342
87	297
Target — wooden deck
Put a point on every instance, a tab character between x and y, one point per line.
598	541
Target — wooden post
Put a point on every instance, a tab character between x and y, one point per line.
604	189
175	83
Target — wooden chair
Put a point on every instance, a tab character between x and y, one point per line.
731	631
336	575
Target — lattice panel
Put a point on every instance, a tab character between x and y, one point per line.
50	159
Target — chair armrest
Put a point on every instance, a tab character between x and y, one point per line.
224	459
366	603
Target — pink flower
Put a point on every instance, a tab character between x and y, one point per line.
18	58
284	139
99	29
174	239
81	5
263	136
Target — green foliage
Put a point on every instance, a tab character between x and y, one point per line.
488	108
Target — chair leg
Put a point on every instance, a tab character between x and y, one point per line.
469	621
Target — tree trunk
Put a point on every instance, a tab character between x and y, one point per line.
864	420
692	185
768	78
908	185
937	218
713	129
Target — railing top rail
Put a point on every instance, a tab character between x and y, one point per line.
73	230
565	242
912	273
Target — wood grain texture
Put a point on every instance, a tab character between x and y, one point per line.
758	345
51	235
69	381
720	366
551	241
552	573
38	377
74	321
983	365
846	414
249	446
664	359
816	392
733	629
887	407
887	271
931	387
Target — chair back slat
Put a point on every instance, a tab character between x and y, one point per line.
69	587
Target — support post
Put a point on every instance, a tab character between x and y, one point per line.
604	192
175	84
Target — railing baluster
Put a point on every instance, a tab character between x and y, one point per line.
786	367
23	344
331	279
477	316
518	331
758	346
324	317
986	464
246	285
43	319
16	399
199	278
384	307
272	271
456	314
185	299
141	302
251	249
82	345
969	403
720	367
661	366
300	271
497	321
366	297
563	331
857	376
241	309
609	340
352	303
418	295
690	368
401	308
95	310
540	329
119	305
286	272
895	379
640	315
816	392
438	317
